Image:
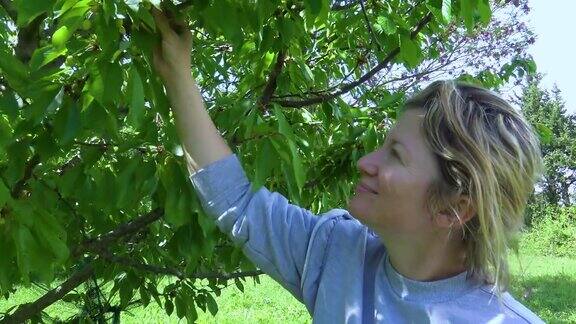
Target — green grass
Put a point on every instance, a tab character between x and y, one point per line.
260	303
551	280
549	284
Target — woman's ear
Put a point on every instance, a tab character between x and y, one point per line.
462	213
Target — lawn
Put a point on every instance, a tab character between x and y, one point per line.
549	284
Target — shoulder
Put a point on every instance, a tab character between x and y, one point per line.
509	310
338	235
336	225
341	223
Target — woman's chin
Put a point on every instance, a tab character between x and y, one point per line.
354	208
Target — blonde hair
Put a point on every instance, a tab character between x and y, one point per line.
487	151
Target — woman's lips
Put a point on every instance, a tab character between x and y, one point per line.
363	188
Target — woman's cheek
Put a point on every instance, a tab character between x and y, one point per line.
391	184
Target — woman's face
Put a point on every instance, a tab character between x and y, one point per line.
397	176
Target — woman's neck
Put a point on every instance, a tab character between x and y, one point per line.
427	261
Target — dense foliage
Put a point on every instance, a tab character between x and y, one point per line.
552	232
547	112
93	187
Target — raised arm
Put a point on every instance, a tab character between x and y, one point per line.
277	236
202	141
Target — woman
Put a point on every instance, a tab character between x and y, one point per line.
425	237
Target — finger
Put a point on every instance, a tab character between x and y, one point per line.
161	22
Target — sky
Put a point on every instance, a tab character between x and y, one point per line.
555	47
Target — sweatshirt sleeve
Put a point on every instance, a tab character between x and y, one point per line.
273	233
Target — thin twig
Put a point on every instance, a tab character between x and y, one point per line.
369	26
163	270
18	189
349	86
272	81
101	242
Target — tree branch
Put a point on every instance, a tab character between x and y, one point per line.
369	26
349	86
161	270
142	266
19	186
25	311
272	81
9	8
224	276
28	39
101	242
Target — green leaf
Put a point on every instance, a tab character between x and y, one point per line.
8	268
308	75
18	153
45	55
136	95
8	102
176	202
169	307
46	146
45	102
75	15
28	10
388	26
484	11
52	234
447	10
30	256
126	182
191	315
265	8
370	139
212	305
67	122
4	194
314	6
181	307
239	284
224	17
126	292
14	71
293	191
299	171
61	36
6	131
467	9
283	125
144	296
409	51
105	82
264	163
107	32
545	133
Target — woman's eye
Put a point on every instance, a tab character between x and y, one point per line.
395	154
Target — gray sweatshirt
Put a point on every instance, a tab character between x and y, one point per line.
334	264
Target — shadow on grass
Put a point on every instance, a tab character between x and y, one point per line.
548	295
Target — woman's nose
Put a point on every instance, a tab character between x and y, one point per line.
367	164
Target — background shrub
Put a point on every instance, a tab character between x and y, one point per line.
553	233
